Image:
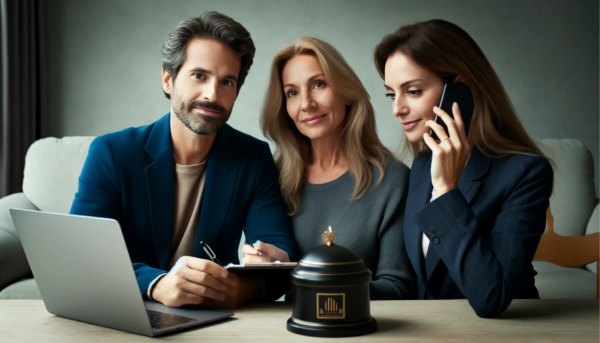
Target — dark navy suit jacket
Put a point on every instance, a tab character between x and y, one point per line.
130	176
483	234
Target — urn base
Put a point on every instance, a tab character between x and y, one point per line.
323	330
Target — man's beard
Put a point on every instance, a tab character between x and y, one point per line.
201	123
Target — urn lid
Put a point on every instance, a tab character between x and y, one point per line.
330	260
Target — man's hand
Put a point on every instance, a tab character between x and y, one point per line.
240	289
192	281
268	253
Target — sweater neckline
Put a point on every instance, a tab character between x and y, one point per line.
312	187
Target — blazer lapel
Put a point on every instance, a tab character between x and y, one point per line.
418	198
160	178
470	181
221	174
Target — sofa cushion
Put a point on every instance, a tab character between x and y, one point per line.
556	282
52	168
13	263
24	289
574	194
593	226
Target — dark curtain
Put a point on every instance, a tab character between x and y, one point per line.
22	87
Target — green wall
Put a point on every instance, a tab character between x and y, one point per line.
104	58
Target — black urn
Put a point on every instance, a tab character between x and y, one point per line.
331	293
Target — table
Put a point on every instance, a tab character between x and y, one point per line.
568	320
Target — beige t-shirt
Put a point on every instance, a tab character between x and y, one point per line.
189	186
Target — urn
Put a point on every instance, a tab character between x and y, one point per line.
331	293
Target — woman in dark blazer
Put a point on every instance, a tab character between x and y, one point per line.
476	205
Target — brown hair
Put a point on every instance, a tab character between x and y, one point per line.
360	143
213	25
447	50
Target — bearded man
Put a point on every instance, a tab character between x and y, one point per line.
189	177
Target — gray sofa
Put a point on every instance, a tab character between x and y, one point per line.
574	207
52	168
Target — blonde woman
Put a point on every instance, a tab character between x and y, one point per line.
333	169
477	205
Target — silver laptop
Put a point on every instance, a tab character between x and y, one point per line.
83	271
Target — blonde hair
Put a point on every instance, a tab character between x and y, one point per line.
360	143
447	50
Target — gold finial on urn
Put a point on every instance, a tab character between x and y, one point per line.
328	237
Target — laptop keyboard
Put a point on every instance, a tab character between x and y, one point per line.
160	320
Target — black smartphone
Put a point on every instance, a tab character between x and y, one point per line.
461	94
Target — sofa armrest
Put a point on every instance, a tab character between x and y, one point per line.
13	263
593	226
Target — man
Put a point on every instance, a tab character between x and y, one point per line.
189	177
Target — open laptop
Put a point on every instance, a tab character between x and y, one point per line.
83	271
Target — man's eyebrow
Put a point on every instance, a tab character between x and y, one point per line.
200	70
309	80
230	77
205	71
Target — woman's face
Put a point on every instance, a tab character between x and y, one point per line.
316	109
414	92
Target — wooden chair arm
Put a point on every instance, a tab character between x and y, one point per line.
569	251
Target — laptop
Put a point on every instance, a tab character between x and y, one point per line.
83	271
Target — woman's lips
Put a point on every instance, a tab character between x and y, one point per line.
314	119
409	125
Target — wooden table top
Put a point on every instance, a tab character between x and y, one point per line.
572	320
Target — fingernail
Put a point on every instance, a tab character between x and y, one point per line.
224	287
435	107
454	105
224	273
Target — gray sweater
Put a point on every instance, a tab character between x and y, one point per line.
371	226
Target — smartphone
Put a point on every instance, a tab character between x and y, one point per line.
461	94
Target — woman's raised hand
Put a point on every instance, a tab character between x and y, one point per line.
450	154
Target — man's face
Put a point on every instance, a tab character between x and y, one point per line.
204	91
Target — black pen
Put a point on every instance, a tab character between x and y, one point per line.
210	253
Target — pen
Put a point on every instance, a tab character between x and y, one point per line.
210	253
259	252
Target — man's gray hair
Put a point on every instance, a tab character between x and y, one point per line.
212	25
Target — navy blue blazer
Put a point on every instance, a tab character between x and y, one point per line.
130	176
483	234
